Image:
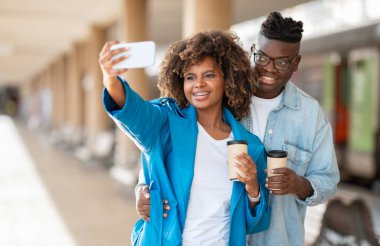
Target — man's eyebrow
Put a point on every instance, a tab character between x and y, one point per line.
279	57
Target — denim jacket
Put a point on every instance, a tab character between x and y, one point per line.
300	127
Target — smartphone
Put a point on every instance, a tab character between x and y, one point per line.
141	54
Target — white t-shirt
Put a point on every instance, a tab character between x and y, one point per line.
208	213
260	110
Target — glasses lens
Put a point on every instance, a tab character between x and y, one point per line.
261	59
281	64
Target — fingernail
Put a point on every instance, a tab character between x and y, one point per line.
167	207
147	195
272	171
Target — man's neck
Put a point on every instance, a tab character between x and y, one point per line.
266	95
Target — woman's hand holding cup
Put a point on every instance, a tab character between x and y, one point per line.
247	166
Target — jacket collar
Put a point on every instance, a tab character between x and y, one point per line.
290	97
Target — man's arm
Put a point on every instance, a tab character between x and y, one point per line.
143	199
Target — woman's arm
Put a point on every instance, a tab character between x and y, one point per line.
139	119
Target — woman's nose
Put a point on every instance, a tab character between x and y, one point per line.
199	82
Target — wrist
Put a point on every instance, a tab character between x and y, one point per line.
255	198
304	188
110	81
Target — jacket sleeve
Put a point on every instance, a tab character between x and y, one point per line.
322	172
258	218
139	119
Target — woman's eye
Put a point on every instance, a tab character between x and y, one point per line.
210	75
189	78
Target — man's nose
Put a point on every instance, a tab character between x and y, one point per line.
270	67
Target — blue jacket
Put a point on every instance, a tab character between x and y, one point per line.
167	137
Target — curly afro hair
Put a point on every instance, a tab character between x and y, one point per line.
233	61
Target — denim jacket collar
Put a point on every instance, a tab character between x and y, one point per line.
290	97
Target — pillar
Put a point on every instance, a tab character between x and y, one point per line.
201	15
96	119
74	96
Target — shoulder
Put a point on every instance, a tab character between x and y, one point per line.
303	97
307	104
305	101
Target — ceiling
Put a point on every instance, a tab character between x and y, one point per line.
34	32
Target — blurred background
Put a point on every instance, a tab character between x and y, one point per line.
67	174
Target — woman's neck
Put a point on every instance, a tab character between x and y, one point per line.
214	124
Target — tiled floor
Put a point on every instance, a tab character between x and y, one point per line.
47	197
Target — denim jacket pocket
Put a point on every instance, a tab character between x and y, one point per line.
297	157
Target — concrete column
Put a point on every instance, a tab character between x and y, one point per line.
61	90
201	15
74	96
127	161
46	98
96	120
56	86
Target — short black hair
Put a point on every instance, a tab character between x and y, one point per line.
283	29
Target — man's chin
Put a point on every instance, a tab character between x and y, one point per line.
264	86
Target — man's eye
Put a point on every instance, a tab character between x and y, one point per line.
261	58
282	62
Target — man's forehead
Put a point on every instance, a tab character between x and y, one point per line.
264	43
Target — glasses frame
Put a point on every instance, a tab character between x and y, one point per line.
254	54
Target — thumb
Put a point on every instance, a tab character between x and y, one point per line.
146	192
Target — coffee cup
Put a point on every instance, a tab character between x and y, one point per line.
276	159
234	148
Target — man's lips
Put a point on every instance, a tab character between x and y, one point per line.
267	80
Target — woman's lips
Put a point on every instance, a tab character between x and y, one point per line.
201	95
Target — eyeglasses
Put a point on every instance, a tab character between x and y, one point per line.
282	64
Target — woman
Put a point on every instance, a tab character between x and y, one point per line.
207	84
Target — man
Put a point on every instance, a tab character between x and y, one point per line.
285	118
